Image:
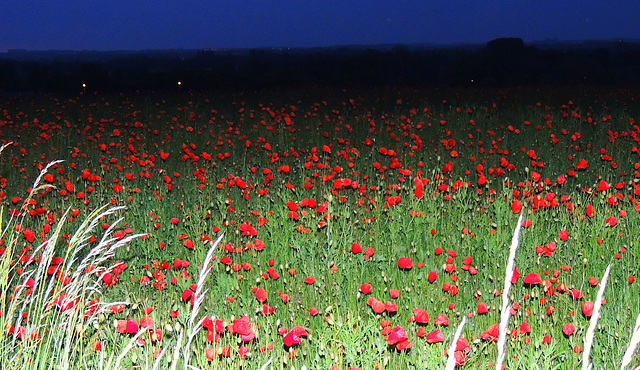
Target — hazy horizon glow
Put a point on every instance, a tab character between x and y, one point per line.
189	24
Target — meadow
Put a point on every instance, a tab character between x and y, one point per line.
324	228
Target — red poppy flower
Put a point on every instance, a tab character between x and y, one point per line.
405	263
293	337
587	308
535	176
366	288
226	352
132	326
603	186
590	211
397	334
117	309
376	305
492	333
356	248
433	276
187	294
313	311
516	206
435	337
261	295
482	308
242	327
147	322
174	220
292	205
515	276
390	307
29	235
561	179
441	320
420	316
576	293
310	280
267	310
564	235
258	245
405	344
121	326
525	328
248	230
568	329
211	353
582	165
533	279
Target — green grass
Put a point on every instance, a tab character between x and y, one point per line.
473	220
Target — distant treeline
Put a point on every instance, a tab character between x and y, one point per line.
501	62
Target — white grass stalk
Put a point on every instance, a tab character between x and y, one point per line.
192	333
633	345
62	326
126	349
588	339
156	363
176	350
451	360
204	271
35	188
199	298
505	314
264	367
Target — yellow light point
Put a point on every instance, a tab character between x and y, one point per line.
84	85
179	83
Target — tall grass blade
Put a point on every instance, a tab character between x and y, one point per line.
633	345
451	359
504	314
588	339
199	298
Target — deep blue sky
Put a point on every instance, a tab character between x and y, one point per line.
162	24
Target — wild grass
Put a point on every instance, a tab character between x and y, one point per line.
504	311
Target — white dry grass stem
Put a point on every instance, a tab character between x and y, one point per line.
504	314
588	339
176	349
451	360
633	345
199	298
126	349
55	309
264	367
193	330
156	363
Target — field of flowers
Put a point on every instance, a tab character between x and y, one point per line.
320	228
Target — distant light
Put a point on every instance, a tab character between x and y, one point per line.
84	85
179	83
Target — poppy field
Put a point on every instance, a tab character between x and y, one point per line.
324	228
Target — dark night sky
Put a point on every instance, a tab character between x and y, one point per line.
166	24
